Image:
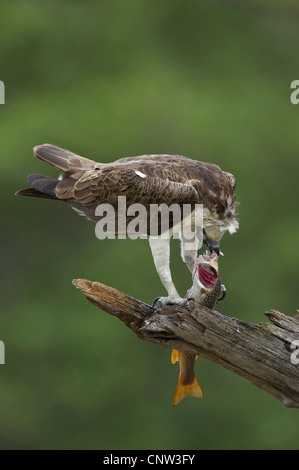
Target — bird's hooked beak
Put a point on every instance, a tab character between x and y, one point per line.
213	246
211	238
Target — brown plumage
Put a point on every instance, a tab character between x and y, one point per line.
167	179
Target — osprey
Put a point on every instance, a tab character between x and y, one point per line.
146	180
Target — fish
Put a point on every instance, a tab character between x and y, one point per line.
206	290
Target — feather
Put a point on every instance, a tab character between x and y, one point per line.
145	179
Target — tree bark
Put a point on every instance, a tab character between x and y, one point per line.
264	353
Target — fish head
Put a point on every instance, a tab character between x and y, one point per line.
206	271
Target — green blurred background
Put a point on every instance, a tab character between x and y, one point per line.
205	79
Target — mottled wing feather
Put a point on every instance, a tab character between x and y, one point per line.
124	181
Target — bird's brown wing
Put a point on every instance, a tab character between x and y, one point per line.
141	185
112	181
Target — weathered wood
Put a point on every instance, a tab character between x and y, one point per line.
260	353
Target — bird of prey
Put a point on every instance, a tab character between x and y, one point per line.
148	179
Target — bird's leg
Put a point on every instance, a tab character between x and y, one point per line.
161	253
189	251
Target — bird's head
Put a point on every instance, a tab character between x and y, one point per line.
217	221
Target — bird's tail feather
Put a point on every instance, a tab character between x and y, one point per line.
41	186
69	163
53	155
62	159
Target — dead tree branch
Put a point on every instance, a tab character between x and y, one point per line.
260	353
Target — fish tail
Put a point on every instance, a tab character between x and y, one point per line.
175	356
189	390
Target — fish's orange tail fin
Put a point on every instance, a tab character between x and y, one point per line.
190	390
175	356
